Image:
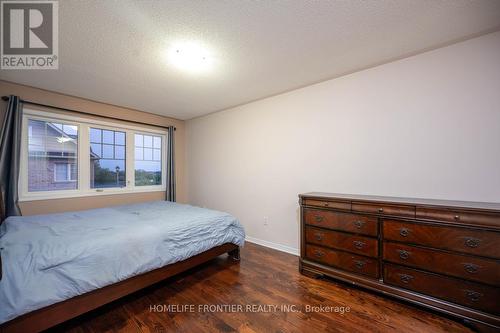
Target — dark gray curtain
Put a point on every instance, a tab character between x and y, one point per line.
171	164
10	151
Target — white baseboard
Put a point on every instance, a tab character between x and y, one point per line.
275	246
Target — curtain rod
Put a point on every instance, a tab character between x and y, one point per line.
6	98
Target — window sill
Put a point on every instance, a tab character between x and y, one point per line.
91	193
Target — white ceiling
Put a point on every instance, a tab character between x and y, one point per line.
112	51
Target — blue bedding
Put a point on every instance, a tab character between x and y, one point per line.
50	258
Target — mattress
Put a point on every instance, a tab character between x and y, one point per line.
50	258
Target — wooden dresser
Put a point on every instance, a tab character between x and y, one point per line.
444	255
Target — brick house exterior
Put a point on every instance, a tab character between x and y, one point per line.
52	158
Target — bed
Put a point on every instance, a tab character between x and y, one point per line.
58	266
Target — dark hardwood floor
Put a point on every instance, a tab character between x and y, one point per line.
262	277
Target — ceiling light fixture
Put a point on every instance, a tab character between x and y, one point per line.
190	56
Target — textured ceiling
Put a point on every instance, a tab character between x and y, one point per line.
113	51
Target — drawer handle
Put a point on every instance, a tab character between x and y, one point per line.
318	218
405	278
359	244
318	236
404	232
326	204
319	253
457	217
359	264
471	268
359	224
380	210
404	254
472	295
472	242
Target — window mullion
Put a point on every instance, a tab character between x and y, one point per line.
129	160
164	161
84	159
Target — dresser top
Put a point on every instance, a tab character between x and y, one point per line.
490	206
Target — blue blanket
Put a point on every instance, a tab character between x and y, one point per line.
50	258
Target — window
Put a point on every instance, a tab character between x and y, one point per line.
52	149
148	160
107	158
65	156
65	172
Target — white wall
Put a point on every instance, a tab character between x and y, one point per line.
425	126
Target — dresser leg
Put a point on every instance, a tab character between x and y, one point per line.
479	327
311	274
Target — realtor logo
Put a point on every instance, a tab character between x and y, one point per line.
29	35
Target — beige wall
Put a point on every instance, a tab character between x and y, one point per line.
425	126
64	101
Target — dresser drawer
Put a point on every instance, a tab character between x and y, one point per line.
470	294
458	265
473	241
343	260
456	215
342	241
385	209
328	204
342	221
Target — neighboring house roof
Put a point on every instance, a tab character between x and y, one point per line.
61	133
93	155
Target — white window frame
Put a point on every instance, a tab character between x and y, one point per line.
163	162
83	166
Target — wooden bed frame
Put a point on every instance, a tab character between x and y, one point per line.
54	314
57	313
